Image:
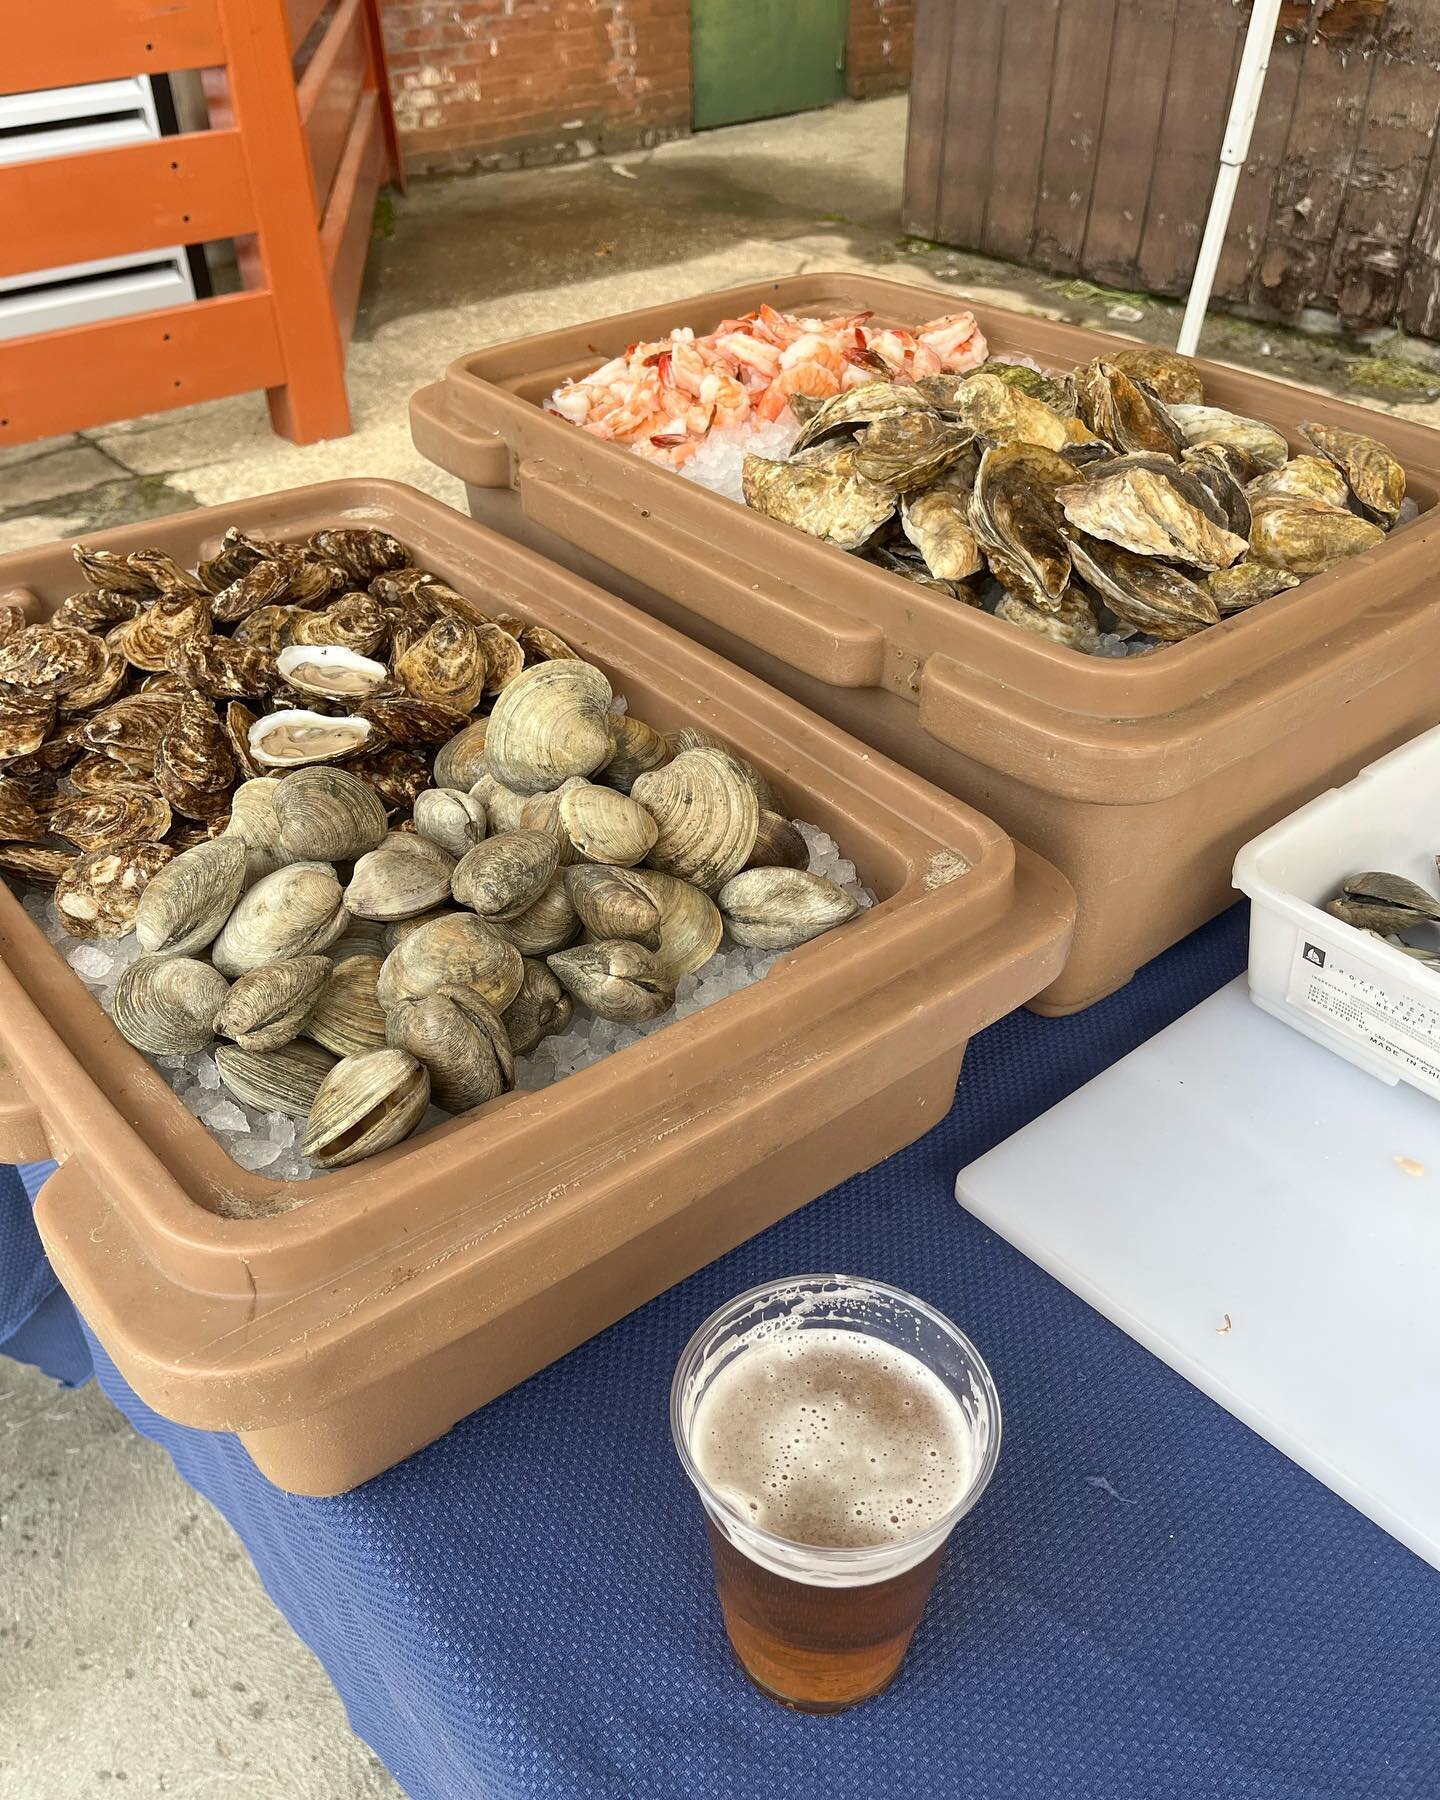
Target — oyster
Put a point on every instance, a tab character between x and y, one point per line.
27	717
1265	446
1017	521
690	925
1151	514
1071	623
364	1104
1303	478
460	761
236	553
268	628
1239	465
397	775
347	1018
291	737
131	729
540	1008
109	569
552	721
264	583
605	826
220	668
1231	506
190	898
326	815
267	1007
837	505
112	820
909	450
776	909
449	664
405	875
1376	901
1374	477
1246	584
542	645
1307	536
778	845
937	523
504	876
452	819
354	621
616	979
295	911
1143	592
163	573
194	764
505	657
1002	411
1124	413
284	1080
460	1040
37	862
19	818
866	403
403	719
145	640
615	903
638	747
454	950
166	1005
330	670
548	923
362	553
100	893
707	815
254	824
56	658
239	721
1171	377
106	685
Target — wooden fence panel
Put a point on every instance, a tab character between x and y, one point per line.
1145	32
972	81
1022	113
1079	92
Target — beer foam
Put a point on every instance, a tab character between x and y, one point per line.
834	1438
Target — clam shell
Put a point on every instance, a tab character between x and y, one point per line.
616	979
405	875
295	911
778	845
284	1080
776	909
550	722
460	1041
706	813
166	1005
541	1008
449	663
605	826
690	924
253	822
325	815
364	1104
190	898
504	808
112	820
450	818
331	670
691	737
548	923
99	894
460	761
361	937
505	875
348	1017
455	950
267	1007
638	747
293	736
541	812
615	903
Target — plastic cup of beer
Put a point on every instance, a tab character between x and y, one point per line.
836	1430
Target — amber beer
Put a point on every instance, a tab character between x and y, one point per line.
836	1430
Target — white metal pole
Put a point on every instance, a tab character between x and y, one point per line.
1249	85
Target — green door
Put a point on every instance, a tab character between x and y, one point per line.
752	59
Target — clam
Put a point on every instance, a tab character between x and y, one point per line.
1374	477
18	815
452	819
347	1017
1071	623
295	911
330	670
1214	425
363	937
616	979
1376	901
1170	376
326	815
1152	514
1246	584
541	1008
1303	478
937	523
1124	413
1017	520
541	812
503	806
615	903
455	950
548	923
778	844
293	736
776	909
361	551
194	764
253	822
460	762
99	894
605	826
690	925
166	1005
695	737
284	1080
638	747
406	874
111	820
364	1104
460	1040
505	875
1307	536
1143	592
552	721
267	1007
832	502
706	813
190	898
448	663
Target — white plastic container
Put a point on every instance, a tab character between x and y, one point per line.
1359	996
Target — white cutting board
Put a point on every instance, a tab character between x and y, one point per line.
1231	1167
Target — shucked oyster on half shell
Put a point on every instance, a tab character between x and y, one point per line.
837	504
330	670
291	737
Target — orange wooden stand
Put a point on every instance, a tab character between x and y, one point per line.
290	170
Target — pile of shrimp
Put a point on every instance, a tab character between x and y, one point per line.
662	399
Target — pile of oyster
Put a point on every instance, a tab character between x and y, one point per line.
377	899
1090	508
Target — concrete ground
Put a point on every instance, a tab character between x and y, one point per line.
136	1645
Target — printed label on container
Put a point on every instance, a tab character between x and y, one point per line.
1390	1017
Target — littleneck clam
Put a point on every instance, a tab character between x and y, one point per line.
605	826
267	1007
541	812
690	924
347	1016
326	815
706	813
638	747
617	979
284	1080
166	1005
253	822
455	950
541	1007
363	1105
548	923
615	903
776	909
296	911
187	902
778	844
451	818
405	875
553	721
504	808
502	877
460	1040
460	762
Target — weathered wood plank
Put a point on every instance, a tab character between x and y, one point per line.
1022	110
973	82
1255	193
925	135
1125	160
1079	91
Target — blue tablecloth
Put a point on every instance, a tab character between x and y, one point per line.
1149	1602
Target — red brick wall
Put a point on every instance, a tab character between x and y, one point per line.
504	83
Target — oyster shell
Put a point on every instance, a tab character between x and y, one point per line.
27	717
866	403
1124	413
19	818
365	1104
551	721
937	523
604	826
361	552
268	628
460	760
454	950
354	621
615	903
1143	592
294	911
776	909
347	1018
778	845
405	720
638	747
548	923
1307	536
706	813
460	1040
163	573
690	925
452	819
1001	411
284	1080
57	658
1071	623
541	1008
110	569
616	979
832	502
264	583
37	862
268	1007
1151	514
330	670
99	895
106	685
111	820
504	876
236	552
188	900
909	450
1374	477
1303	478
145	641
194	764
1017	520
220	668
291	737
504	657
543	645
1231	502
326	815
1266	446
1173	378
130	730
397	775
449	663
166	1005
1246	584
405	875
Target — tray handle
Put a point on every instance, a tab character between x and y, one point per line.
480	459
22	1134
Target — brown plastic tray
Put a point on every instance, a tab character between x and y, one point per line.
1140	779
338	1337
